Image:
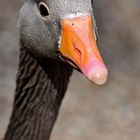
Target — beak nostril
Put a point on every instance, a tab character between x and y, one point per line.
78	53
77	50
72	24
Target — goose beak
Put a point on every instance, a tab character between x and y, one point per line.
78	47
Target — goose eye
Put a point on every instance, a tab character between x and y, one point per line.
43	8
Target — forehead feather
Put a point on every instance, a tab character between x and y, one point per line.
66	7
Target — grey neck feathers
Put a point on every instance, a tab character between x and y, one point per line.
39	92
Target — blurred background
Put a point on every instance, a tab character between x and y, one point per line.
89	112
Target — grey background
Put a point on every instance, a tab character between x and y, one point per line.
110	112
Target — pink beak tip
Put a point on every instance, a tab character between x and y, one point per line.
97	75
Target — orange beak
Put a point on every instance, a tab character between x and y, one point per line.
78	45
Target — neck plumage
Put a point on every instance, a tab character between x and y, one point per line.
39	92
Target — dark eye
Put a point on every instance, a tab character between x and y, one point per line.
43	8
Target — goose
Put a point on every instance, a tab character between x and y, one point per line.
56	36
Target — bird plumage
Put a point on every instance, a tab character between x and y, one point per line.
52	33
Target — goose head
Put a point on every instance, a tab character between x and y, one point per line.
66	30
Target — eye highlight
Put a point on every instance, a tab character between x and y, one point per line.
43	8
